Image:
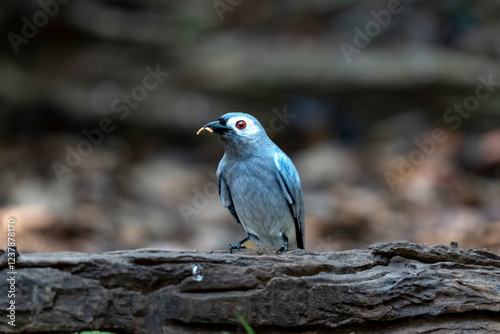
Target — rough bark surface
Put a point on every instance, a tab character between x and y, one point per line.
397	287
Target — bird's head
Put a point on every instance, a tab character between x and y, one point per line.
237	130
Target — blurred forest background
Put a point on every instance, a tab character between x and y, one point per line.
390	111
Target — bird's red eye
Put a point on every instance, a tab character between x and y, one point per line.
241	125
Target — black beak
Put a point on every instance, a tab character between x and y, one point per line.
214	127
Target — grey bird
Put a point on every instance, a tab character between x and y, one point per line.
258	183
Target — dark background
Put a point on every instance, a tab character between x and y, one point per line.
353	121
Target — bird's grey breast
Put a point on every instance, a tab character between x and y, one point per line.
258	198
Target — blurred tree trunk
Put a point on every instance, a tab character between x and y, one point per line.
397	287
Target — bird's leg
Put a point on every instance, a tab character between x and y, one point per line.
239	245
284	246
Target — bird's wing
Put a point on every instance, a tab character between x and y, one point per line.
289	180
225	197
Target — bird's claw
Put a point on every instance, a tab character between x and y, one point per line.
237	246
283	249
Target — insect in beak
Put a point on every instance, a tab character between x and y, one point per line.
204	129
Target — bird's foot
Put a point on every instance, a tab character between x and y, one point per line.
284	248
237	246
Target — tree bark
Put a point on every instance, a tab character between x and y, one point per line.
399	287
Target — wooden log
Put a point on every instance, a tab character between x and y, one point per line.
399	287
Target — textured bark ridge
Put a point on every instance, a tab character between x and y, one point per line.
397	287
